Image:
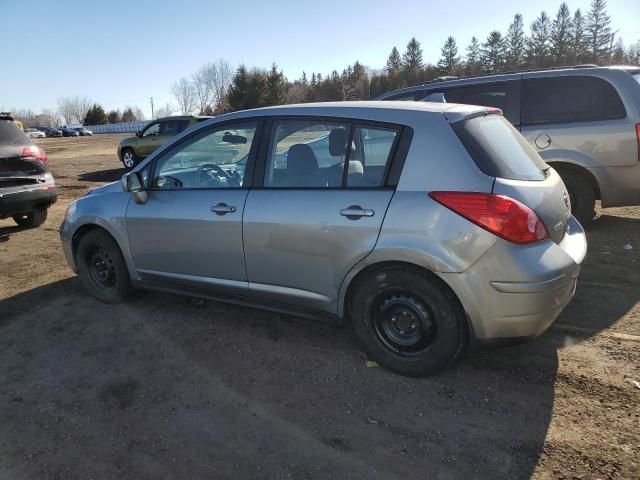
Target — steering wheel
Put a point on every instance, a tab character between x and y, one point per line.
217	174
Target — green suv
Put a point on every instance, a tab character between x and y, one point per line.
157	132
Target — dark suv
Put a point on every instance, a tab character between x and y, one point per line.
27	188
584	121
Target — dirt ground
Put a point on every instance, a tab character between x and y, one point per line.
172	387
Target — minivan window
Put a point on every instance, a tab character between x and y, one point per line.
10	134
489	95
569	99
498	148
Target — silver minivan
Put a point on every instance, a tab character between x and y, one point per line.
584	121
426	226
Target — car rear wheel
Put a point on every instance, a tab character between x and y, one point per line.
102	268
583	198
129	158
407	321
32	219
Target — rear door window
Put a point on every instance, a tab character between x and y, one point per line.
10	134
569	99
490	95
499	150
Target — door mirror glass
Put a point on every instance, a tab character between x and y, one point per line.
132	182
139	133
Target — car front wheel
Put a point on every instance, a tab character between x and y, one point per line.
407	321
102	268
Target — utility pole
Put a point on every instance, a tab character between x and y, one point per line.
152	117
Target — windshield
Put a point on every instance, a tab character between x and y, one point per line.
500	150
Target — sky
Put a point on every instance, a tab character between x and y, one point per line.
122	53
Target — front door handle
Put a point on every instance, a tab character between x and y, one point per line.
223	209
355	212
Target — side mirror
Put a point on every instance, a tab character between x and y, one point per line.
139	133
132	182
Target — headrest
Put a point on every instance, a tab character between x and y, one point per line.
338	142
301	160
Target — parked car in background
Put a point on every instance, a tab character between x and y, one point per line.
27	188
424	225
583	121
69	132
156	133
34	133
49	131
83	132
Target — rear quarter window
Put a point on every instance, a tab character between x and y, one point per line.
499	149
569	99
10	134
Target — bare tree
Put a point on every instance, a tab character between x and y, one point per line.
74	109
183	91
165	111
202	87
220	75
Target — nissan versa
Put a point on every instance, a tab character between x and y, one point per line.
424	225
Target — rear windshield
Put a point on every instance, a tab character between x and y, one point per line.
10	134
499	150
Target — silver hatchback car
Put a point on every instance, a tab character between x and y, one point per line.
424	225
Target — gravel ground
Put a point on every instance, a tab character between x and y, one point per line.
173	387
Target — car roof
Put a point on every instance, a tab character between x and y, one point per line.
515	75
181	117
376	110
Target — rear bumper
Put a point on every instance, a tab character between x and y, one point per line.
518	291
23	201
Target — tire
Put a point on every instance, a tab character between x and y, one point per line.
102	268
129	158
583	198
407	321
33	219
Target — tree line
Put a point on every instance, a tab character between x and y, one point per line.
566	38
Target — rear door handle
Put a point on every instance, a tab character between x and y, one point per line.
354	212
223	209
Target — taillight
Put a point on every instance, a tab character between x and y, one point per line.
501	215
33	151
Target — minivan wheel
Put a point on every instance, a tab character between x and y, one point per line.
33	219
583	198
102	268
407	322
129	158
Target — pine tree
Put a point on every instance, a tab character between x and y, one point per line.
538	44
492	53
113	116
578	39
412	58
277	88
473	63
598	32
394	62
95	116
514	43
239	89
618	53
449	61
561	36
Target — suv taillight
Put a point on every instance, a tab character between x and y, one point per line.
33	151
501	215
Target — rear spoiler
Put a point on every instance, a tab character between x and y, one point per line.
457	113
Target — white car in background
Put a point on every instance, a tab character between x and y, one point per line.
33	133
